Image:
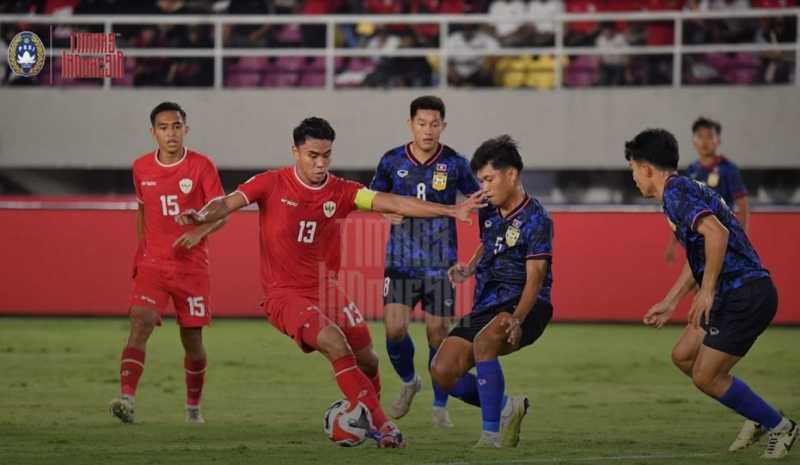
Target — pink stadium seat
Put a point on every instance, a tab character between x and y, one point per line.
581	71
312	79
289	63
253	63
279	79
243	79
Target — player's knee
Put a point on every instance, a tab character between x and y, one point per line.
332	342
143	320
395	331
703	380
487	344
443	375
368	362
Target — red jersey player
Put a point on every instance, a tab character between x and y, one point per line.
301	208
172	260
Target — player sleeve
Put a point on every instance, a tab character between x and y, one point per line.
736	184
467	184
258	187
362	198
540	241
382	180
212	186
685	207
137	187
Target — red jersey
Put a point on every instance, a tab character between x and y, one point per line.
300	227
165	191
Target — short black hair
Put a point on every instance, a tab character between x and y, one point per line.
313	128
427	102
166	106
706	123
655	146
502	152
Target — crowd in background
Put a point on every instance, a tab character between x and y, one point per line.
507	28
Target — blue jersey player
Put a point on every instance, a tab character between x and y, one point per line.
736	300
512	296
420	251
717	172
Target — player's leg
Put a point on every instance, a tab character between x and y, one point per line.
329	339
190	293
502	415
194	364
686	349
400	295
438	303
450	370
147	300
367	360
743	314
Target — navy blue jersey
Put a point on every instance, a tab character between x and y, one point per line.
685	202
423	247
723	176
508	243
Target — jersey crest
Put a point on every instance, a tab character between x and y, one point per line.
185	185
713	179
329	208
440	177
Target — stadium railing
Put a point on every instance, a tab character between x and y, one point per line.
218	52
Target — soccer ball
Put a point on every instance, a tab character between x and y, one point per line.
347	427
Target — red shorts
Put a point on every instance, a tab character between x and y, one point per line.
153	288
297	313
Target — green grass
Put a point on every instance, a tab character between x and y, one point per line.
597	391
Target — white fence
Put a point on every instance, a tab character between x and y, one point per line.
559	51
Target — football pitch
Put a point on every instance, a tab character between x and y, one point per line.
600	394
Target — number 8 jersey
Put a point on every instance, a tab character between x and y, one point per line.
165	191
300	227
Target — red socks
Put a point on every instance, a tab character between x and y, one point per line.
195	376
357	387
131	368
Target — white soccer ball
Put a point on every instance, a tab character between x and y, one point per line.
346	426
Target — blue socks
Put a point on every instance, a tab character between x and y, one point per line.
439	396
401	354
466	389
491	389
740	398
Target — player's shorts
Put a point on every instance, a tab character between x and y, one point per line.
532	328
154	287
437	295
740	316
302	314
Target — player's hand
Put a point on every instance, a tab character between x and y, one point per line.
188	240
513	329
459	273
189	216
701	307
463	210
394	218
659	314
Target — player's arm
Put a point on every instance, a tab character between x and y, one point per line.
661	312
536	270
382	202
743	211
716	244
191	238
214	211
460	272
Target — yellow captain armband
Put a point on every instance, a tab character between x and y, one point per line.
364	198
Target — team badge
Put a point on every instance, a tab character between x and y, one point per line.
185	185
713	179
512	235
329	208
439	182
402	173
26	54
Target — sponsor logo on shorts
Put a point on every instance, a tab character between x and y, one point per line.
448	302
147	299
713	331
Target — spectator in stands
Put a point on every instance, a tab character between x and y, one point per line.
613	67
777	67
732	30
581	33
545	28
470	70
511	31
695	31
